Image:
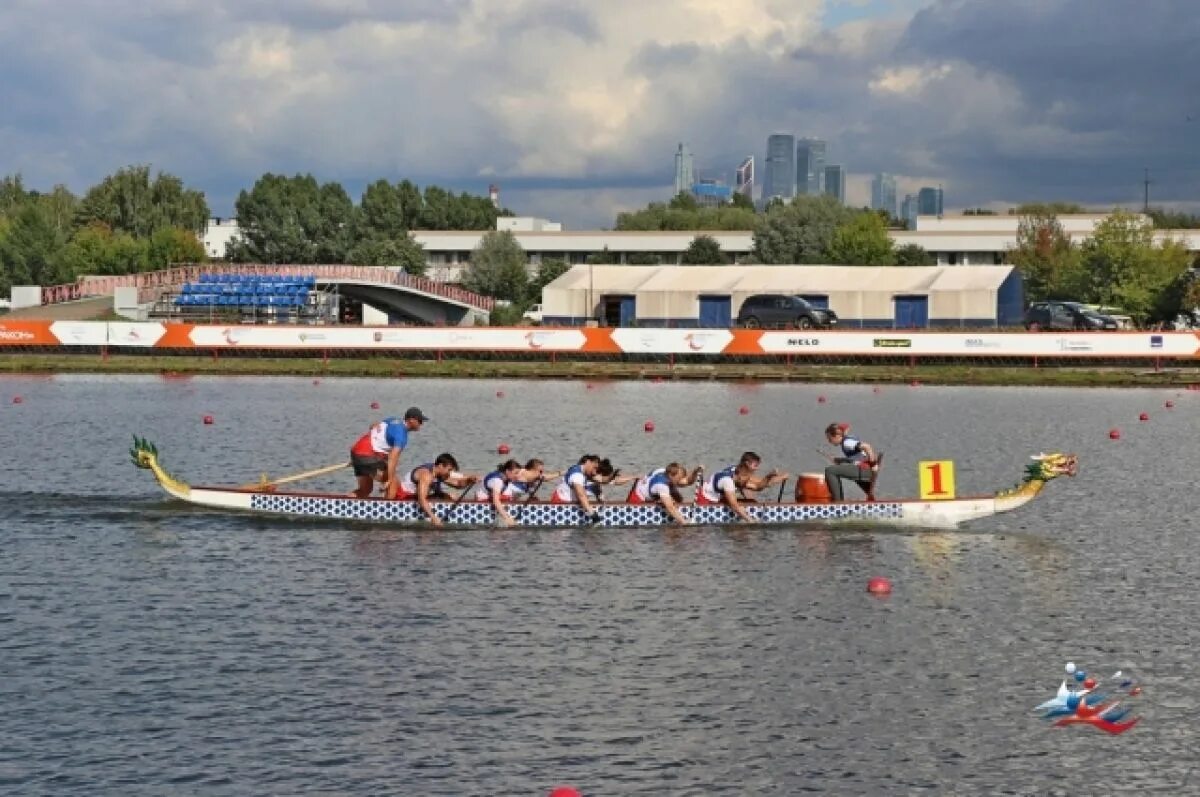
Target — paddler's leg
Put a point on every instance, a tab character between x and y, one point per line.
834	475
366	470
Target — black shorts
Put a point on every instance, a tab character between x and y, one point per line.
367	466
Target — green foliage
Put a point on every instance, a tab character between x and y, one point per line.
130	202
506	315
1050	264
1127	269
548	271
684	201
913	255
741	201
862	241
97	249
171	246
643	259
1171	220
657	216
978	212
800	232
498	267
1047	209
402	251
293	220
602	258
12	194
703	251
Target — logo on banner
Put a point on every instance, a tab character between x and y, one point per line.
1156	341
378	336
14	334
696	342
804	342
1070	344
536	340
981	343
892	343
306	336
231	336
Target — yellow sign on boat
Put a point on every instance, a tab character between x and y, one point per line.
937	480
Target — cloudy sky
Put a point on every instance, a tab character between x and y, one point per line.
575	108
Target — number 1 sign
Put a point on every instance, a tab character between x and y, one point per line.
937	480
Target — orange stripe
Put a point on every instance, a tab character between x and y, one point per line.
745	341
599	341
176	336
27	333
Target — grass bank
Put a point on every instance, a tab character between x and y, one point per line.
934	374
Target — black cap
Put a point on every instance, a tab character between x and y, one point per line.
414	413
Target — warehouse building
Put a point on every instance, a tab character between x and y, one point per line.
884	297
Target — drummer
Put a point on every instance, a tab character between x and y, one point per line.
857	461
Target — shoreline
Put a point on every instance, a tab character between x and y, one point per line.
939	374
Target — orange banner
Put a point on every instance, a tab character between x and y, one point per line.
26	333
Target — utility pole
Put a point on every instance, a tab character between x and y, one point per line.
1146	192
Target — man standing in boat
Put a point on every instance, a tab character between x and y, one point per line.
857	462
376	455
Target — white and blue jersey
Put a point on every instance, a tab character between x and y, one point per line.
408	485
654	486
852	450
564	493
712	490
381	438
494	480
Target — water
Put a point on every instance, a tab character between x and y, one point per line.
152	648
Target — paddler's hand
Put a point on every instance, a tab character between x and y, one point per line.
436	521
594	517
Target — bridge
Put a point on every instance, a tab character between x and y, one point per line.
410	298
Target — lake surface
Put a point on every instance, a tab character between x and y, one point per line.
151	648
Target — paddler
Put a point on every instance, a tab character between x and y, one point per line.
662	485
495	488
722	487
752	484
606	474
573	489
530	478
376	455
428	482
857	461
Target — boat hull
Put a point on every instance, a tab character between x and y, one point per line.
924	514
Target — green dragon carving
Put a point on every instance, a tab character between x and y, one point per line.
145	455
1043	468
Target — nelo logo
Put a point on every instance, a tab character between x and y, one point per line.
804	342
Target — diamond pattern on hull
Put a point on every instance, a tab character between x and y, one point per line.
473	513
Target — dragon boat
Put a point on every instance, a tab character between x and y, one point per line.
913	513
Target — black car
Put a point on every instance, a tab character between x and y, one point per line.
1069	316
783	310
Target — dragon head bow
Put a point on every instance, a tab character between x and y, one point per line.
1050	466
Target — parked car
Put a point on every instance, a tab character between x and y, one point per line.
1067	316
533	314
1123	319
782	310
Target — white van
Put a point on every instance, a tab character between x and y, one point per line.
533	314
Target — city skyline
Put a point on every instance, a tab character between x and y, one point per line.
221	92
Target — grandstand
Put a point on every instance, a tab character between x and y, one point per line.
250	299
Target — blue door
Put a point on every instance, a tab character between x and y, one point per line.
716	312
912	312
628	313
819	302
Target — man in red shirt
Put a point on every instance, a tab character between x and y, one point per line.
376	455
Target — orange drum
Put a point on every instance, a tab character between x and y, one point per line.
812	489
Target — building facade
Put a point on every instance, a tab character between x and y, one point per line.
810	166
883	193
779	179
745	178
684	170
929	201
835	183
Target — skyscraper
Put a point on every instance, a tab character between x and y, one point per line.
929	201
835	183
745	178
810	166
883	193
908	211
780	178
684	172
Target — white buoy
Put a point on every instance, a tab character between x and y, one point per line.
1070	668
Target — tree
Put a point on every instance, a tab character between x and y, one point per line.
684	201
97	249
1047	209
129	201
703	251
799	232
862	241
402	251
602	258
170	246
292	220
498	267
742	201
1049	262
548	271
34	236
380	212
643	259
1127	269
12	194
1168	220
913	255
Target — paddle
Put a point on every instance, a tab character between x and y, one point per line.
264	483
779	498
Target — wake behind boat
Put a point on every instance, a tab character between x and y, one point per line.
540	514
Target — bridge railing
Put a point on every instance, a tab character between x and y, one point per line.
151	283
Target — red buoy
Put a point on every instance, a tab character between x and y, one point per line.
503	448
17	400
1135	691
1114	434
915	383
879	586
743	410
1089	683
499	394
648	426
876	390
316	381
1144	417
1169	404
565	791
374	405
208	420
590	386
820	399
